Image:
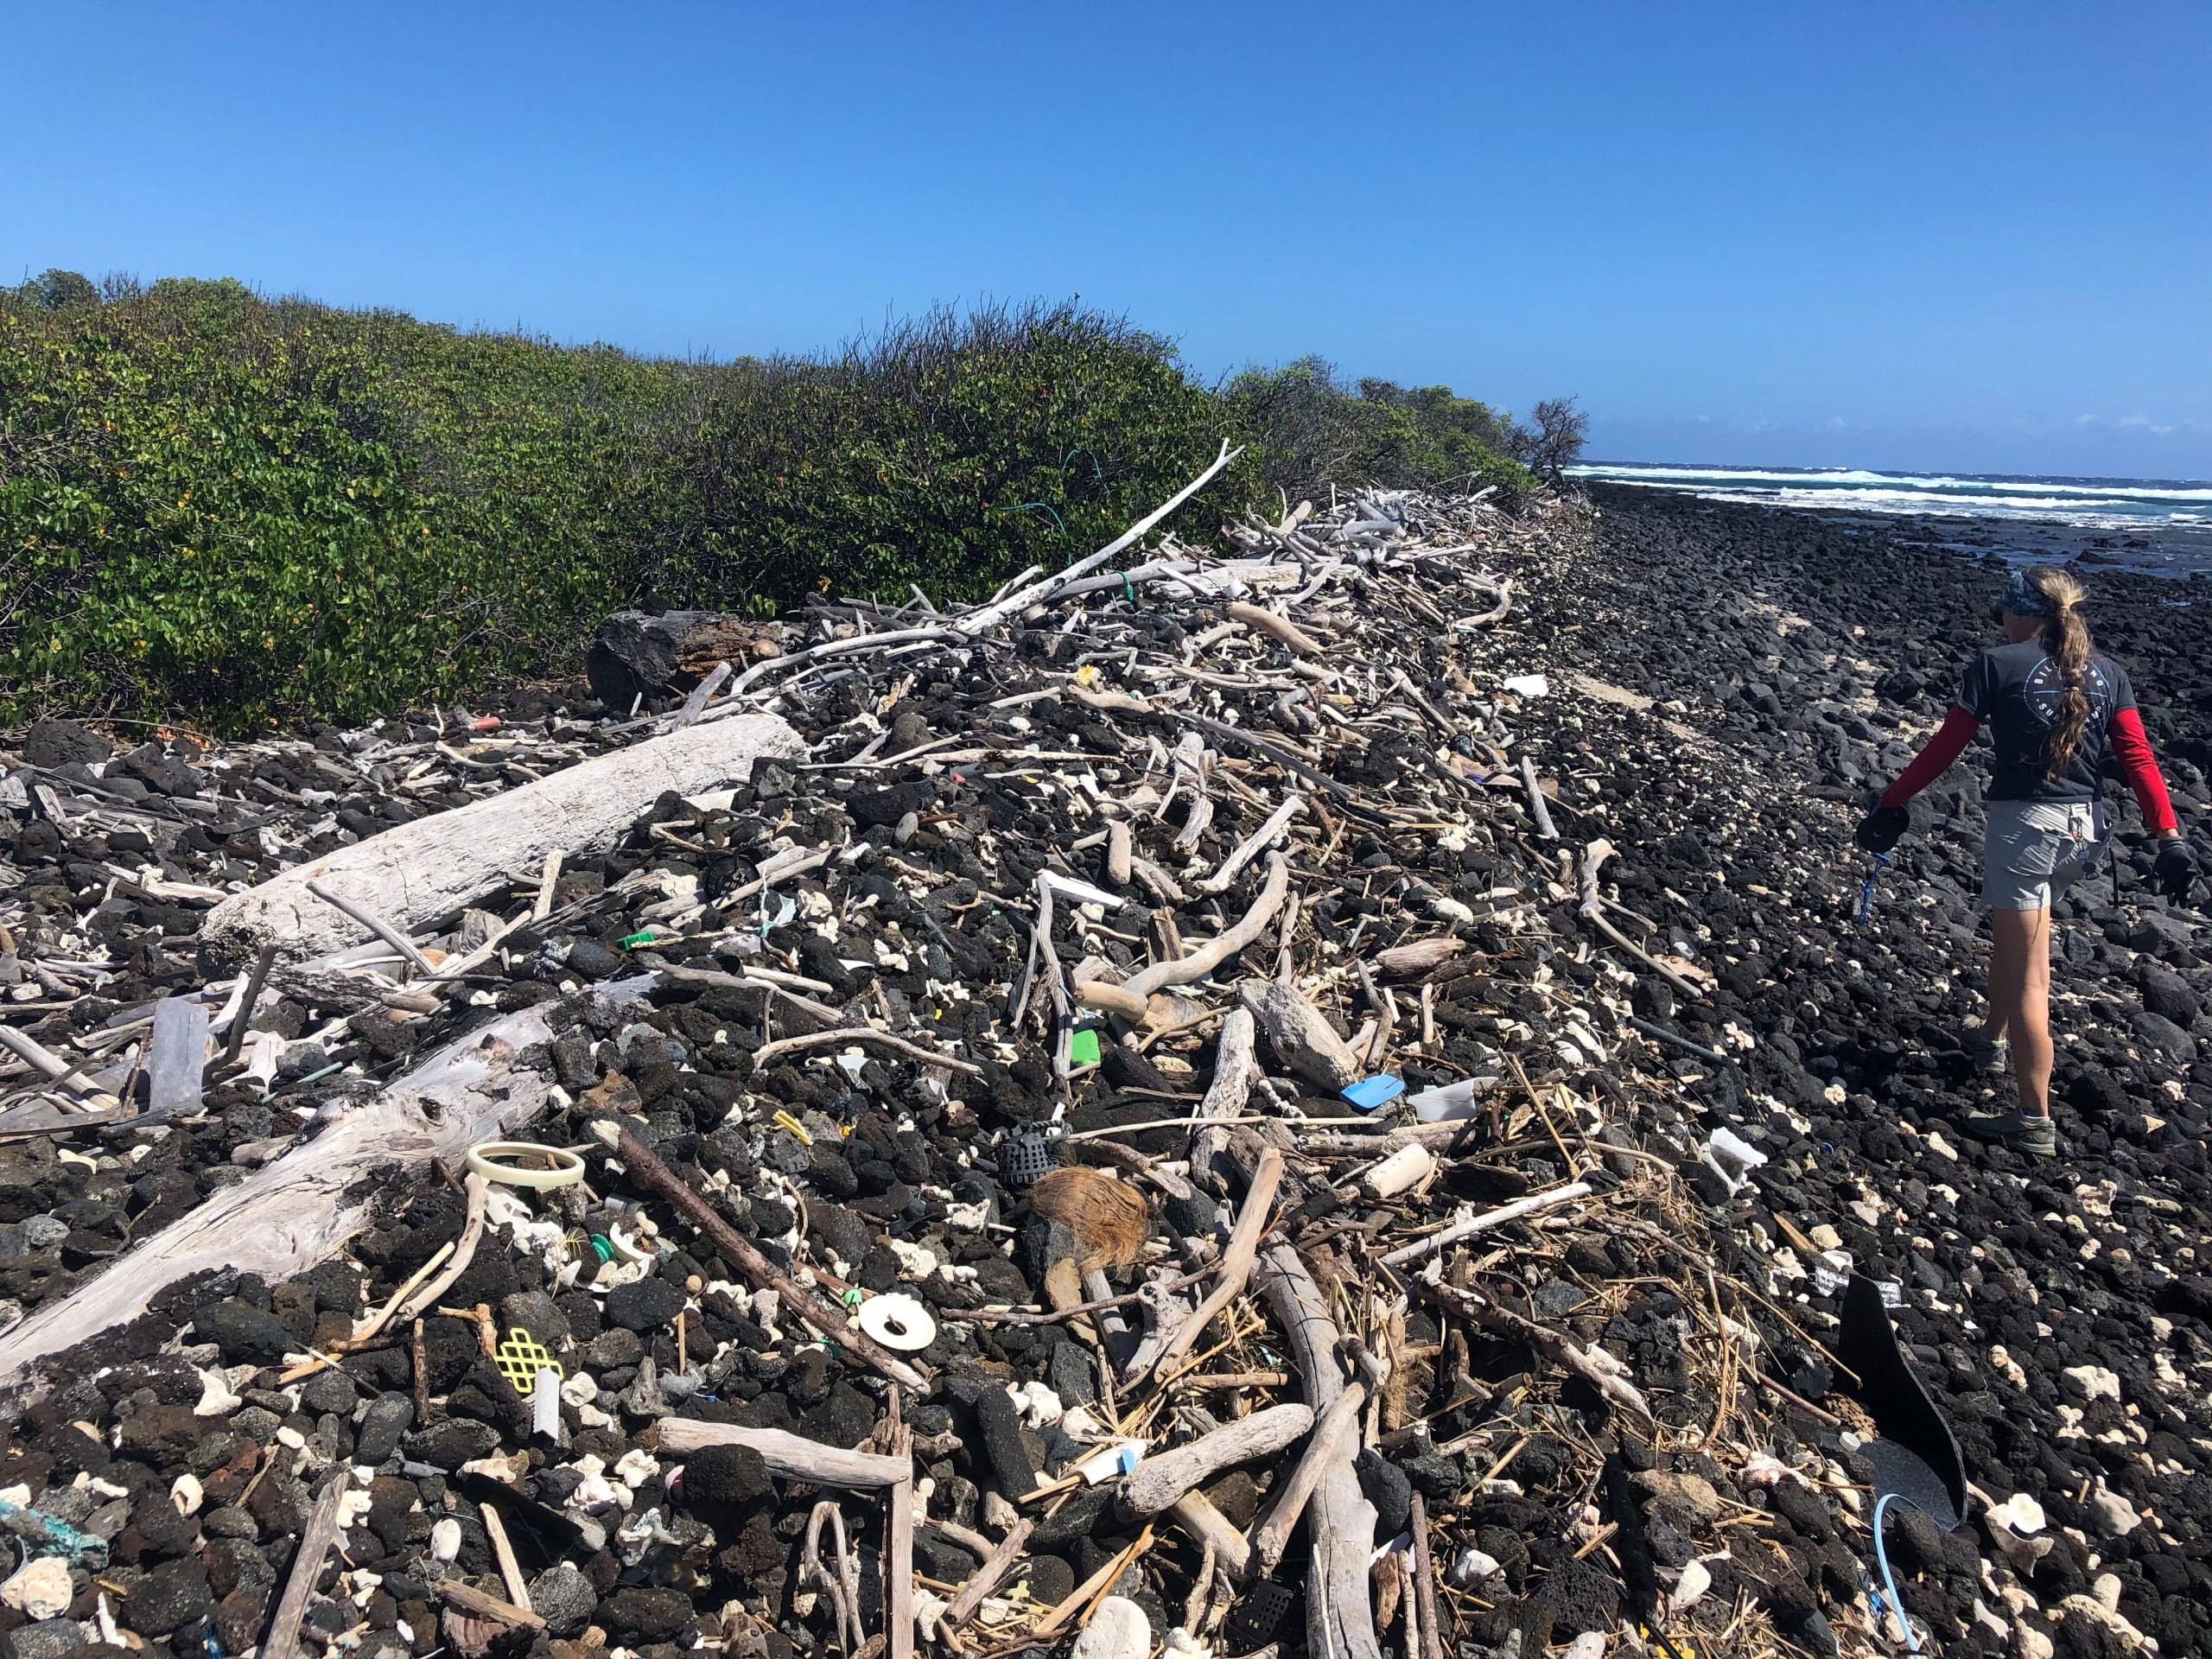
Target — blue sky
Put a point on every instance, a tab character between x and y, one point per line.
1935	236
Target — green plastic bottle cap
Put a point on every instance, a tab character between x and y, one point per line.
601	1247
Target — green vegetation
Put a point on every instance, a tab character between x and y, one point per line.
1310	430
246	509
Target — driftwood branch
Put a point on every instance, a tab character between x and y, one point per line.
1424	1575
359	911
1165	1476
1486	1222
1013	604
1594	1365
1539	808
1204	958
1237	1258
1594	910
1257	843
649	1171
465	1598
315	1539
1326	1448
867	1034
988	1577
788	1456
1207	1526
1277	628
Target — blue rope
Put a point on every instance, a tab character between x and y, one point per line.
1866	887
1882	1559
1097	471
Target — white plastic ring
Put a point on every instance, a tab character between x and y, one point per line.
900	1322
491	1160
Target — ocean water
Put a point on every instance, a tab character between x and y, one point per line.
2160	525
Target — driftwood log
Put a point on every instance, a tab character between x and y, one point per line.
634	655
1233	1075
299	1210
1165	1476
417	873
1300	1034
1339	1607
1411	961
1328	1447
788	1456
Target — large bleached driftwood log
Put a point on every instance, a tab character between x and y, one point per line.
414	873
299	1209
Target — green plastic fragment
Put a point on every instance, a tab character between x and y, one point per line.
644	936
1082	1048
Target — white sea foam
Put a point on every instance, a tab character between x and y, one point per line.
1983	489
2176	513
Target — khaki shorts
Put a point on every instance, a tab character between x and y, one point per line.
2034	850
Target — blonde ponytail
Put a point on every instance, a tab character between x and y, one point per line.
2066	637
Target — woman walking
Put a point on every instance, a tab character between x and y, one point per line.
2054	705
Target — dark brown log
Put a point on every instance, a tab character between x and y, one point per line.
633	654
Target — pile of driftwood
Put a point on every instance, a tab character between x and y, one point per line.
1114	1115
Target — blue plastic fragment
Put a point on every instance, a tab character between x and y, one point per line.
45	1535
1369	1092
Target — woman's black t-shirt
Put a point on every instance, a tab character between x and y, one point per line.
2014	691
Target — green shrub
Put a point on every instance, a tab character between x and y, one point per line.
1310	430
248	510
949	452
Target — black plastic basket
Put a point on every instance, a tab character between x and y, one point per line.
1024	1157
1259	1616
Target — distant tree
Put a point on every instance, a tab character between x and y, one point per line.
1556	444
57	290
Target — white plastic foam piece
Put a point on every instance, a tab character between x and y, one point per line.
1731	1157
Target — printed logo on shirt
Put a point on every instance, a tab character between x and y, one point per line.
2045	687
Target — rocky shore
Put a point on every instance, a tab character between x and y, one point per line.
2059	1312
1623	1416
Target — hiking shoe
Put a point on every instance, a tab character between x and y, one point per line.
2032	1135
1992	1059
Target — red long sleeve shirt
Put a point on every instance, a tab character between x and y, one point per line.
2124	731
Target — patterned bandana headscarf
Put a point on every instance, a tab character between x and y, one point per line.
2023	598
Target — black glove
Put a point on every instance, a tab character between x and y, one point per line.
1883	828
2176	871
